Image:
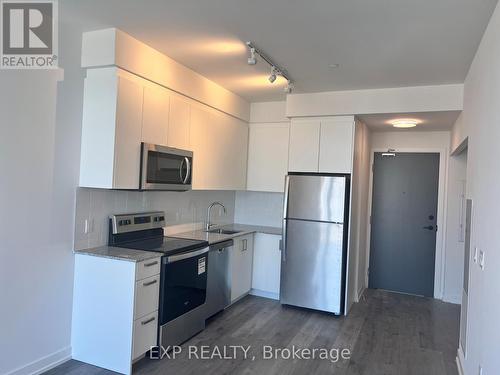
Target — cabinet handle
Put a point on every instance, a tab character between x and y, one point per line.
150	283
244	245
148	321
151	264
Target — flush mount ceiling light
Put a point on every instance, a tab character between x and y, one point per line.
404	123
276	70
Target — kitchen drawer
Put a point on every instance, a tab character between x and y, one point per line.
145	334
146	296
147	268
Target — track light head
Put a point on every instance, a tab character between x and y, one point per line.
272	77
252	60
288	88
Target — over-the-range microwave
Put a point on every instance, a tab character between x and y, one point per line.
165	168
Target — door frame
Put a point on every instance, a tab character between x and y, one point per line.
439	269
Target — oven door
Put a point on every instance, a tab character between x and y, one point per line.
183	283
165	168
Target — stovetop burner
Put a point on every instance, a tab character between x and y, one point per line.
166	245
144	231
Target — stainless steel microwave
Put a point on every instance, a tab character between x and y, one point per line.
165	168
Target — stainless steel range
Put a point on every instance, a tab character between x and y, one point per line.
183	281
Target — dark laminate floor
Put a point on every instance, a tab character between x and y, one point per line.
387	333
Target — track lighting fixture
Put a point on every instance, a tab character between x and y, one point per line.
275	69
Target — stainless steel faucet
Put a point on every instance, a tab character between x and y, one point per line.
208	224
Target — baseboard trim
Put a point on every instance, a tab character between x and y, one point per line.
43	364
361	291
453	298
460	365
262	293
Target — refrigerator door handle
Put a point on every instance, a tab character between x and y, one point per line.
285	200
283	243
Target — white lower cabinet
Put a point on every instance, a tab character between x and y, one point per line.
241	261
115	311
145	334
266	265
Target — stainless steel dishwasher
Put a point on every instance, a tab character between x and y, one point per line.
218	287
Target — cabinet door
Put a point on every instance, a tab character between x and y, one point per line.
219	145
267	264
241	266
304	146
336	146
128	134
268	156
155	115
203	145
178	123
232	150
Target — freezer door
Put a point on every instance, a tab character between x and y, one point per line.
312	265
317	198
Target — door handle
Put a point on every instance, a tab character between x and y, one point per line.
429	227
188	171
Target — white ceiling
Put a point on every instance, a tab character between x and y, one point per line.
378	43
429	121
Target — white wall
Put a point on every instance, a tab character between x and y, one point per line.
359	211
36	218
447	260
454	264
480	123
40	151
95	205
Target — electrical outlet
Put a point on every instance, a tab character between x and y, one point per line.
476	251
481	259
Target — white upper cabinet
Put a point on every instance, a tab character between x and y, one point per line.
111	130
336	145
178	123
304	145
267	156
122	110
322	145
128	135
155	114
219	145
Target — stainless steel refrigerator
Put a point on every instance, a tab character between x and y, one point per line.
314	246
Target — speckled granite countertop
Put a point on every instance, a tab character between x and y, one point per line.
131	255
242	229
119	253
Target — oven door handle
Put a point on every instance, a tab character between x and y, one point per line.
186	255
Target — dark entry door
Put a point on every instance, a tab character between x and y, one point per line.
403	229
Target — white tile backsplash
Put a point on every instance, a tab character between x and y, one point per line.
95	205
259	208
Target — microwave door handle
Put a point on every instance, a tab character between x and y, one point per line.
181	167
188	171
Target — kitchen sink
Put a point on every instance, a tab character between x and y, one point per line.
223	231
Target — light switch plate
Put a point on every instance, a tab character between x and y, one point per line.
481	259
